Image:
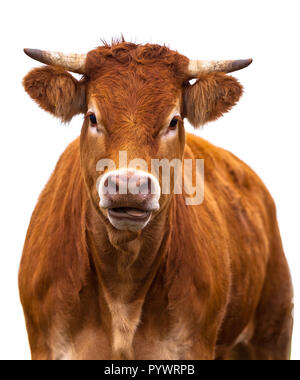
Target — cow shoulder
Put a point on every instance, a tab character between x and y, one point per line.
224	169
54	255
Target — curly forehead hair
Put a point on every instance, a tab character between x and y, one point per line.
131	54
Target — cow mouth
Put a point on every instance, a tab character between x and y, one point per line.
129	218
134	214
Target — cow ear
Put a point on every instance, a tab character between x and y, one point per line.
210	97
56	91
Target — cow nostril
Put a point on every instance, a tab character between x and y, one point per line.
111	183
117	179
145	186
149	185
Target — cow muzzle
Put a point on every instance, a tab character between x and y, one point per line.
130	198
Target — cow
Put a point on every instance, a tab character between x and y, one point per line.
111	274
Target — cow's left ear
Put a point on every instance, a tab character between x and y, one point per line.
56	91
210	97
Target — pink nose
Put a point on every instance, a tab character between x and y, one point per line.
130	188
128	183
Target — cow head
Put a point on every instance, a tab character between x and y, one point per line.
134	99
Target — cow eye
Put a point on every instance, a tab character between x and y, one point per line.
93	119
173	124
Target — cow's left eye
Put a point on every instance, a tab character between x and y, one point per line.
173	124
93	119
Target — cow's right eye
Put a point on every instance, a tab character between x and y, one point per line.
93	119
173	124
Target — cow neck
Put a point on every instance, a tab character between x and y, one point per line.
126	270
125	274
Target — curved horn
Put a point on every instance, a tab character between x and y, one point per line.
197	67
70	62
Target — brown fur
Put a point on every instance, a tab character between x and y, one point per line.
56	91
199	282
210	97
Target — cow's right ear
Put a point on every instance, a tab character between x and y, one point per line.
56	91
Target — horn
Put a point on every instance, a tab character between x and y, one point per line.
198	67
70	62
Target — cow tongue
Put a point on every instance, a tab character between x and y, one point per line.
134	212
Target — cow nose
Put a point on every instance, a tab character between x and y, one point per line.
128	182
129	188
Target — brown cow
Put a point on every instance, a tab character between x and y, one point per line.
144	275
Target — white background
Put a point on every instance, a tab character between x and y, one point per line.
263	129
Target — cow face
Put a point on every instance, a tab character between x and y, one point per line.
134	112
134	99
